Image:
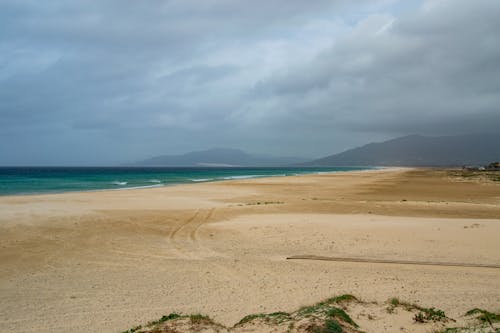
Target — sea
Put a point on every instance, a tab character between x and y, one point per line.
37	180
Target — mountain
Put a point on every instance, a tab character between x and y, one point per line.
220	157
417	150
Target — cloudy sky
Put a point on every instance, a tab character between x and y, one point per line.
112	81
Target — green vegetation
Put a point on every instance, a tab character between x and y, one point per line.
476	175
275	317
155	322
472	329
393	304
200	319
342	298
394	301
310	309
450	330
165	318
484	316
132	330
332	326
325	309
430	314
341	314
423	315
327	316
195	319
324	306
333	316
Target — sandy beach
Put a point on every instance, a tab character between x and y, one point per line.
106	261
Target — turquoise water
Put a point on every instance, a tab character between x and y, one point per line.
31	180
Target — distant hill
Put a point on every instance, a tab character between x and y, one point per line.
417	150
220	157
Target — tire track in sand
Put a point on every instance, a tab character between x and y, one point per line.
392	261
184	236
176	230
192	234
188	246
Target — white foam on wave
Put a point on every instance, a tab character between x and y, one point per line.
156	181
325	172
136	187
241	177
119	183
202	180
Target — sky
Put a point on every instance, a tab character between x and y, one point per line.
113	81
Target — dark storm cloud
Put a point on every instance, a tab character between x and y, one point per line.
114	81
434	71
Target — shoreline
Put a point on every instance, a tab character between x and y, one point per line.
193	182
109	260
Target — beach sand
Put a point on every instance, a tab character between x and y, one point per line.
107	261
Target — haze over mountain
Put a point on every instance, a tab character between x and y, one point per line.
220	157
417	150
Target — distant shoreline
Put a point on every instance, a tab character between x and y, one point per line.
203	175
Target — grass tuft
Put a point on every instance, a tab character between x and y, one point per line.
134	329
164	319
342	298
331	326
200	319
450	330
342	315
484	316
423	315
169	317
276	317
323	307
429	314
310	309
394	301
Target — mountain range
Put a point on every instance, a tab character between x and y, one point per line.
418	150
220	157
411	150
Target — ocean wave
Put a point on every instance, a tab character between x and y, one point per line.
156	181
241	177
119	183
202	179
135	187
